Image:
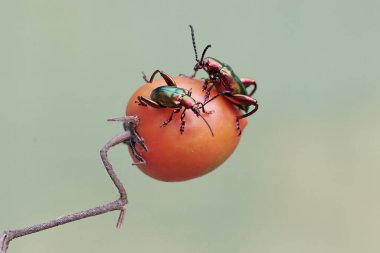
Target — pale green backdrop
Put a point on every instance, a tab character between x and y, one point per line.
305	178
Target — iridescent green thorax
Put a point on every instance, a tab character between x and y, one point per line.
172	97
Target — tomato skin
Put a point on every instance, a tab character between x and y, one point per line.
174	157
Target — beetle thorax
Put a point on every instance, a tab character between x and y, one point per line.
187	101
211	65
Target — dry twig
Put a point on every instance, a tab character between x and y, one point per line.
129	137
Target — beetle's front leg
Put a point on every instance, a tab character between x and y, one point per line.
205	84
207	89
223	93
247	82
182	127
166	122
144	101
201	106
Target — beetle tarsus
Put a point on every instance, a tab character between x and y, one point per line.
201	106
144	77
238	128
182	127
166	122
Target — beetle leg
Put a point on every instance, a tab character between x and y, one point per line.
182	127
205	84
144	101
238	128
144	77
201	106
244	101
238	100
166	122
169	81
208	91
247	82
223	93
250	101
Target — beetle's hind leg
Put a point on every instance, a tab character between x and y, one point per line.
169	81
251	102
144	101
247	82
238	128
207	88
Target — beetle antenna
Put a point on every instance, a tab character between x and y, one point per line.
196	111
209	127
204	52
193	39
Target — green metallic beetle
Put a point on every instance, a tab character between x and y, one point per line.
226	82
171	96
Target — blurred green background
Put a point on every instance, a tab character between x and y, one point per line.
305	177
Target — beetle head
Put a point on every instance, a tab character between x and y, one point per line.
202	63
196	110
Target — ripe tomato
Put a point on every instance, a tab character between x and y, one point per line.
175	157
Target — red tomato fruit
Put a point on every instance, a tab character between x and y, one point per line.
175	157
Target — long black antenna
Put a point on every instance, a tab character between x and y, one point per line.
209	127
193	39
204	52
